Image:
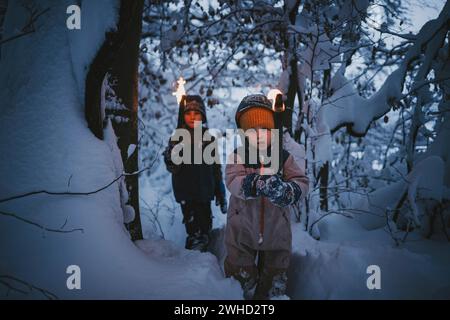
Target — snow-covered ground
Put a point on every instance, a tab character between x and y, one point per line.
336	266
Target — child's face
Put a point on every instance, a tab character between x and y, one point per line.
192	118
260	138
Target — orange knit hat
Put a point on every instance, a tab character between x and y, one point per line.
257	117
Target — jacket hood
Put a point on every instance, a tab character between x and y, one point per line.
187	103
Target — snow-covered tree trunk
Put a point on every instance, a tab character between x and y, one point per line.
290	64
119	56
125	71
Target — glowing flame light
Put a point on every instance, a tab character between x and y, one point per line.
272	96
181	91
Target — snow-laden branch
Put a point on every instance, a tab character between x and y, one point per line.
347	108
406	36
426	181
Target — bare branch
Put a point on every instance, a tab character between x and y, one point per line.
77	193
29	288
12	215
28	28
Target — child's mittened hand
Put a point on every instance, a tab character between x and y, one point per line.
224	206
249	186
167	154
268	184
279	192
256	185
222	203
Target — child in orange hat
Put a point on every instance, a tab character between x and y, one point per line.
258	233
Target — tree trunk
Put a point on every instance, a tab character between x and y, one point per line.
119	55
292	91
291	63
125	70
324	170
323	176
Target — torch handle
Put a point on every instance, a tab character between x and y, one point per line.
279	127
278	117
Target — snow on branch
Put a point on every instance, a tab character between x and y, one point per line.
424	182
346	107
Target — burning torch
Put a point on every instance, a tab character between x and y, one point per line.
181	91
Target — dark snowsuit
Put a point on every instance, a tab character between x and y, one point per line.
195	185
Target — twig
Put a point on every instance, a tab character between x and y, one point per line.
155	216
4	280
325	215
124	174
28	28
12	215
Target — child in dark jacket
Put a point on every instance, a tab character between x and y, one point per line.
195	185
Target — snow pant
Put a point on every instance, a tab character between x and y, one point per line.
197	217
266	279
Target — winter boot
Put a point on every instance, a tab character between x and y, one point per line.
200	242
271	284
190	240
204	240
248	283
279	283
246	275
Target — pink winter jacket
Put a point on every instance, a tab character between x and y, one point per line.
243	221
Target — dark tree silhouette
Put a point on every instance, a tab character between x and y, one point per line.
118	56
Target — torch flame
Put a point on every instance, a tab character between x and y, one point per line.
181	91
272	95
